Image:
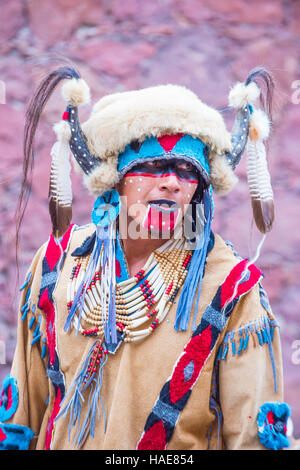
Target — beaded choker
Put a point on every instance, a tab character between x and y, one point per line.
141	302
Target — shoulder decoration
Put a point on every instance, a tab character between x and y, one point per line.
257	332
12	436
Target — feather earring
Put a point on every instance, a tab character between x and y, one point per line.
259	180
60	188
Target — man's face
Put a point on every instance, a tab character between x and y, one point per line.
157	193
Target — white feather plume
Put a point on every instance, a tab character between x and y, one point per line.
259	180
60	180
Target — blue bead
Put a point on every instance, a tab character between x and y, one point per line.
246	342
241	345
225	351
260	340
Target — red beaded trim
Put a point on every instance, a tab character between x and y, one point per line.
91	332
95	360
154	324
169	288
121	326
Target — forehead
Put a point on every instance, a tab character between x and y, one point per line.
170	147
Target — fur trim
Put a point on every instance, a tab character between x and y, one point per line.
242	94
120	118
76	92
259	125
76	165
62	130
222	176
103	178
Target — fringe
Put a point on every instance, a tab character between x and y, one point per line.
194	277
237	341
103	255
84	381
214	404
27	307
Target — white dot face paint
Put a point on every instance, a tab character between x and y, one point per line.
140	179
138	189
159	219
130	181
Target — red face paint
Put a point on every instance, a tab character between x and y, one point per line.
161	216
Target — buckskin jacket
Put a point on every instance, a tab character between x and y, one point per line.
191	390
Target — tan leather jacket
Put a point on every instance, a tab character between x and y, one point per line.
222	409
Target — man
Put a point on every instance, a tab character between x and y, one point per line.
144	330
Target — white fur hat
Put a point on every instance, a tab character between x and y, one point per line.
118	119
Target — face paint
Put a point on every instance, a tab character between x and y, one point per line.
160	168
162	188
161	215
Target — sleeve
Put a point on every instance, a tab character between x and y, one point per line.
24	392
251	377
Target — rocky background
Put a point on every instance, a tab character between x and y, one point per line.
122	45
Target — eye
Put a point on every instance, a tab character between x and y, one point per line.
185	166
153	164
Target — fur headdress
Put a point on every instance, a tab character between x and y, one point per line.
125	129
101	143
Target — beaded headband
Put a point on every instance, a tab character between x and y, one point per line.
170	146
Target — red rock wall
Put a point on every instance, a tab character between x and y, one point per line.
118	46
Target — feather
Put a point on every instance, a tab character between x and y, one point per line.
60	189
260	184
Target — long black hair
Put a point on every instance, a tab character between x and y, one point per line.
32	118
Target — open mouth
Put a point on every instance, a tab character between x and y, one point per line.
164	205
161	215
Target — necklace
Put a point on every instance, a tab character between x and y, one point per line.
141	302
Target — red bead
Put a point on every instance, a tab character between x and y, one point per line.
65	116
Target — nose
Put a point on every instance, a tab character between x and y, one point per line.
169	183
